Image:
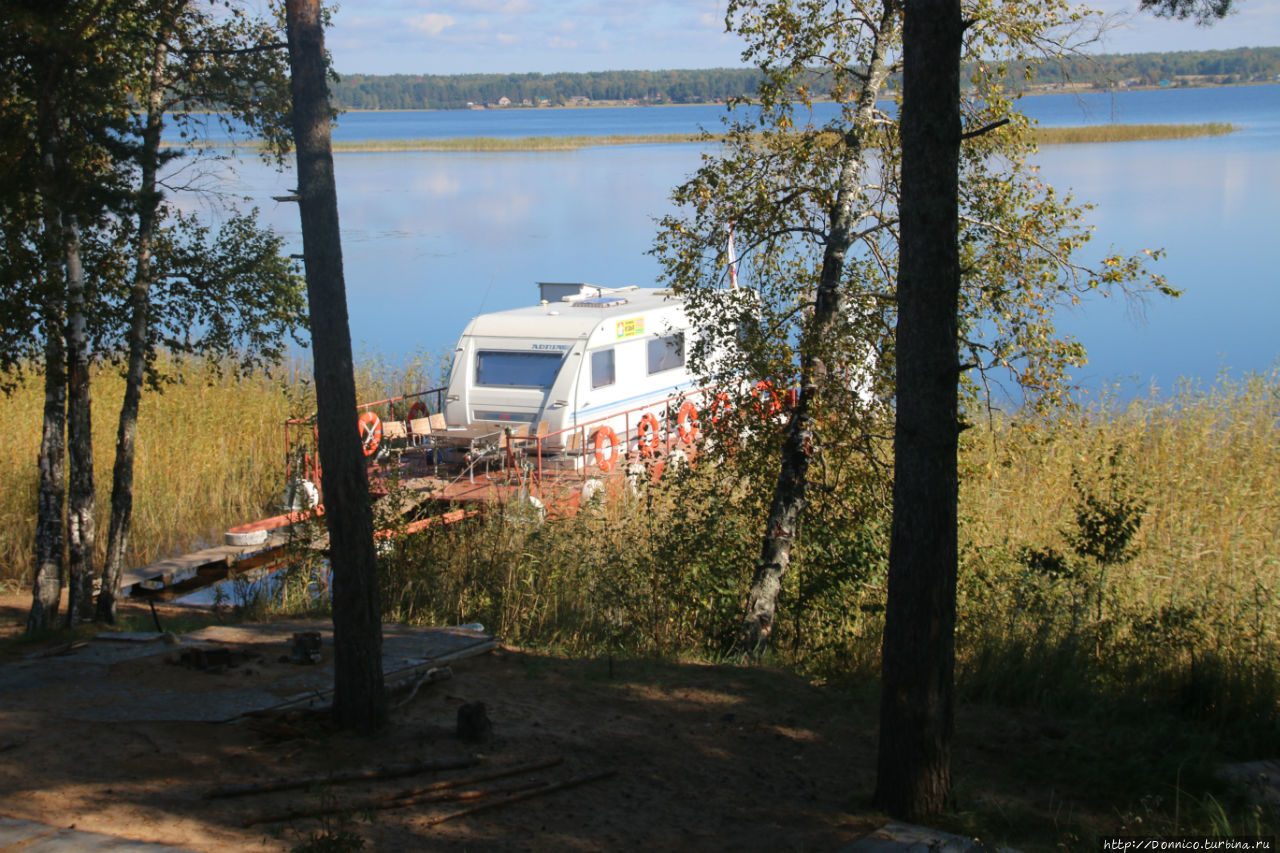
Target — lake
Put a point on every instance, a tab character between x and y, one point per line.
432	238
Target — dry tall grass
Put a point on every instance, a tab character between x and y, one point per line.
210	455
1194	617
1129	132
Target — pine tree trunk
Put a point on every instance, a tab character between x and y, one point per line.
80	494
916	712
789	494
359	699
139	307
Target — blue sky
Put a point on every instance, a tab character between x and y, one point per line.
512	36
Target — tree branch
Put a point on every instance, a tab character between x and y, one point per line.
233	51
987	128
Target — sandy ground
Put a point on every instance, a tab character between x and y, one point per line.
701	757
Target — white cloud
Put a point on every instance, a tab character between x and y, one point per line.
431	23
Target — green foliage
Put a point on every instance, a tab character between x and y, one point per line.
796	192
663	571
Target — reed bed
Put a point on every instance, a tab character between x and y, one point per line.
523	143
1042	135
1129	132
1190	617
210	454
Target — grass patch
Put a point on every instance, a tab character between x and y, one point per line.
1128	132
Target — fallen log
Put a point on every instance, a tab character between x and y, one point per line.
413	796
515	798
374	805
389	771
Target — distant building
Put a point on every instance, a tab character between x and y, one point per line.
504	101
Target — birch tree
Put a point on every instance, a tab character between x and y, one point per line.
77	70
814	205
236	64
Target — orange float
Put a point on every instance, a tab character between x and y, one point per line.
370	432
647	435
687	422
605	436
767	404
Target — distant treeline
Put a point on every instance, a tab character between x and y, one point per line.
1188	67
459	91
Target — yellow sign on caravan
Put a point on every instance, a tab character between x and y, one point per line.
630	328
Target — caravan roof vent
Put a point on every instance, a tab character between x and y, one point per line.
600	302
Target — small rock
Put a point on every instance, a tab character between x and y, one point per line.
473	723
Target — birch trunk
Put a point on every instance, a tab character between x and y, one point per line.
918	662
359	701
789	495
139	307
51	495
80	494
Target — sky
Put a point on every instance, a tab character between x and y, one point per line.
517	36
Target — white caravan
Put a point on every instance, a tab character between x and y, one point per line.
586	353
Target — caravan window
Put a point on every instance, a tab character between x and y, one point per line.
602	372
517	369
666	353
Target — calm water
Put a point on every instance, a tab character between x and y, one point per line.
431	239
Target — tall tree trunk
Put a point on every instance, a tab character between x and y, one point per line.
789	494
51	496
50	501
139	307
916	711
80	494
359	701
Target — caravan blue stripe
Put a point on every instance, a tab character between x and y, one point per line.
633	401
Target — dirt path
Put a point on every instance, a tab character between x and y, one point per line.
704	757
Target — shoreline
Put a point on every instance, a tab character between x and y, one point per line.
1082	134
1035	91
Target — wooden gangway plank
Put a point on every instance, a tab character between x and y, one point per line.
174	571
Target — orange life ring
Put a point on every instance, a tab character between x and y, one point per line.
370	432
687	422
647	435
601	436
767	404
417	410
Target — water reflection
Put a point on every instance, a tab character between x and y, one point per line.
430	239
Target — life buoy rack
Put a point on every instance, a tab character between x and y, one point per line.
687	422
767	403
370	432
601	437
647	435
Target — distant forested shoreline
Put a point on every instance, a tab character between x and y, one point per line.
697	86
